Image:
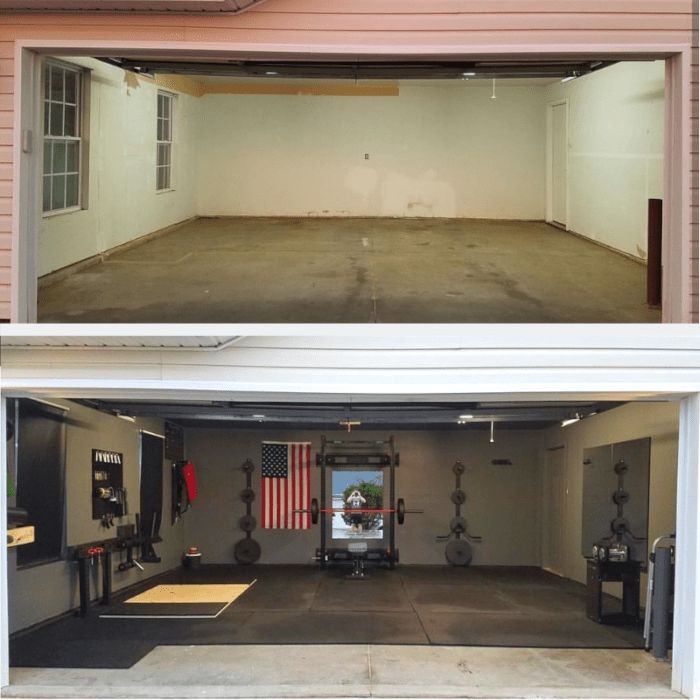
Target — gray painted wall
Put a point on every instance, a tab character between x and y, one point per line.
502	506
46	590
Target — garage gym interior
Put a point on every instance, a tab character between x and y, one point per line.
187	523
489	191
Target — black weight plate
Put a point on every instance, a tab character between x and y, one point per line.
620	497
400	511
247	523
619	525
621	467
458	552
248	467
247	495
458	468
458	524
314	511
246	551
458	497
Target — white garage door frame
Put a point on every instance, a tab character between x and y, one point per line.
534	381
676	252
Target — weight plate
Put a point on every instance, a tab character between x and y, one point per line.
458	468
620	497
314	511
458	552
247	495
458	524
246	551
458	497
248	467
621	467
619	526
400	511
247	523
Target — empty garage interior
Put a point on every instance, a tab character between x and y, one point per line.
538	479
487	191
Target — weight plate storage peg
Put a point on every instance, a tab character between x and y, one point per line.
246	551
247	523
247	495
619	526
620	497
458	497
458	525
458	468
400	511
458	552
248	467
621	467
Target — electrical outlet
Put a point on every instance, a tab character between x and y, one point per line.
366	156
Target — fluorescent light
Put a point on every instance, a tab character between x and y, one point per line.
570	421
258	415
492	438
568	77
131	419
468	75
271	72
467	416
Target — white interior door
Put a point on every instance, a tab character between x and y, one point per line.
554	496
559	126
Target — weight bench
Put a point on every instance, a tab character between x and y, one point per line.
358	554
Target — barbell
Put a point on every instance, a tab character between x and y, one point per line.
315	510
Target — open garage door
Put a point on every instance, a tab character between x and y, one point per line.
181	189
409	525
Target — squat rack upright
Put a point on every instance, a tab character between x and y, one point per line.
358	453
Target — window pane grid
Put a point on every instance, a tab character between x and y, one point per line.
62	138
164	141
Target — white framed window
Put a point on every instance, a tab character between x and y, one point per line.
63	93
164	138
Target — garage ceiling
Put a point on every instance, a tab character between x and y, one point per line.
326	416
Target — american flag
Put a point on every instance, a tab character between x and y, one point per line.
286	485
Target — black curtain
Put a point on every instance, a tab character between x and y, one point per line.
151	484
41	451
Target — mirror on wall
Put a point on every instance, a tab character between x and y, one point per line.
357	492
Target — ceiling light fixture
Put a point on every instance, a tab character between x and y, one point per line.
568	78
493	437
131	419
271	72
570	421
493	97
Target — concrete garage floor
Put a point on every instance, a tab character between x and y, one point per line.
359	671
286	270
417	631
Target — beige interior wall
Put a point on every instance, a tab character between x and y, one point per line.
502	505
659	421
43	591
122	202
444	149
615	151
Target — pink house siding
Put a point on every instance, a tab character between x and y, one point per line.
359	26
